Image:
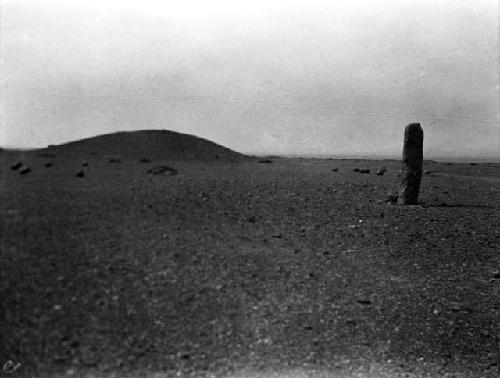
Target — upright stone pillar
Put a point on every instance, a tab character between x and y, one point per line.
413	155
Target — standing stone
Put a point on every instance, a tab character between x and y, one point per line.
413	155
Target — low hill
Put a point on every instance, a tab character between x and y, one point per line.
151	144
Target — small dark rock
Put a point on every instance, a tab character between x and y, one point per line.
364	170
80	174
335	169
265	161
16	166
162	170
114	161
356	169
427	172
48	165
381	171
392	197
47	155
496	274
24	170
252	219
85	164
364	301
145	160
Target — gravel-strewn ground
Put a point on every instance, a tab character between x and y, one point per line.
248	269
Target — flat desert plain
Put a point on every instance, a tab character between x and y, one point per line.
247	269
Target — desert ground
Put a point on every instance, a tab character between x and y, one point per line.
236	267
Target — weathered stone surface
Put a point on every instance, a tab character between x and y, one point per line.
412	164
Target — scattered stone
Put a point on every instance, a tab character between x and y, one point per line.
145	160
252	219
114	161
484	332
24	170
381	171
413	154
496	274
392	197
364	301
47	155
335	169
162	170
356	169
265	161
80	174
16	166
277	236
457	306
427	172
364	170
48	165
85	164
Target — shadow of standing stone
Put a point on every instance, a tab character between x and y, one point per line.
412	164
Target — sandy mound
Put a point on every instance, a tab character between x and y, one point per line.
148	144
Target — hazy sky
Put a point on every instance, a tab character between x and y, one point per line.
261	76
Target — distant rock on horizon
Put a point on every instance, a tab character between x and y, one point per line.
156	144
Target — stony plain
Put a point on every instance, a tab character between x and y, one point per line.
235	266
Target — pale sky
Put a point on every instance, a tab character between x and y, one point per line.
277	77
